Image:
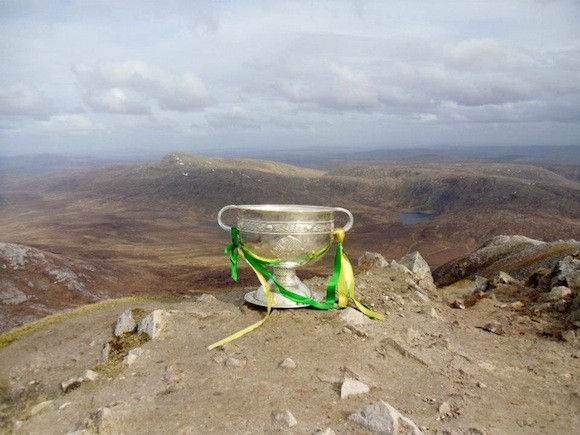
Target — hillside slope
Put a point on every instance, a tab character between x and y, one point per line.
35	283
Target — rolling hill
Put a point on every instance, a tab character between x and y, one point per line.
155	222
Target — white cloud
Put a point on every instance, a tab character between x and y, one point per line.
72	123
290	71
106	87
114	100
21	99
236	117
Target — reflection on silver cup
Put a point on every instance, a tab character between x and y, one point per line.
289	236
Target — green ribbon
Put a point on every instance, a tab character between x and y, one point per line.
333	282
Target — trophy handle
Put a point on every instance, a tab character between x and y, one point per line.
219	218
348	225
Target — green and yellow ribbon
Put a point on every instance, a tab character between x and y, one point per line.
340	286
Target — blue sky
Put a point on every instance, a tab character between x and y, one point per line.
105	76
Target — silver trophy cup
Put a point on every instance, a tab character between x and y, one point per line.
288	235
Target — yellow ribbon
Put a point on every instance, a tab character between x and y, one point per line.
346	281
270	302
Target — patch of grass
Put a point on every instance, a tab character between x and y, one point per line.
119	348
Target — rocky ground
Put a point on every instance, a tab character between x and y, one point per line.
498	356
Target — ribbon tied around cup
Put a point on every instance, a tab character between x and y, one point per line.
339	291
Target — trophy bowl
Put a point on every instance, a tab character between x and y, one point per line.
286	236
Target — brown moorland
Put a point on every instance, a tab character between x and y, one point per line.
154	224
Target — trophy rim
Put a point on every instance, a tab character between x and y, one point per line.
293	208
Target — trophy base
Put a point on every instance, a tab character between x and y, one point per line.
258	297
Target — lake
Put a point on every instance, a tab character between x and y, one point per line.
414	218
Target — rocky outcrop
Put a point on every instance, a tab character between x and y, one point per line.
518	256
558	289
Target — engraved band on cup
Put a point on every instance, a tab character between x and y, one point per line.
262	227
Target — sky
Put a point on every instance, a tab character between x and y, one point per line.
141	76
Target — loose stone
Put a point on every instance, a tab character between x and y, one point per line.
105	353
569	336
372	259
284	417
352	387
206	298
90	375
444	409
494	326
352	317
70	384
36	409
559	292
125	323
235	362
482	283
153	324
380	417
133	355
458	303
288	363
105	421
505	278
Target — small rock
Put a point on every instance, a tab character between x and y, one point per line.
205	298
411	334
64	405
352	317
417	264
70	384
494	326
327	431
444	409
482	283
372	259
430	311
380	417
235	362
352	387
90	375
133	355
173	375
105	421
569	336
36	409
125	323
518	306
153	324
288	363
457	303
352	329
106	352
481	385
284	417
559	292
505	278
